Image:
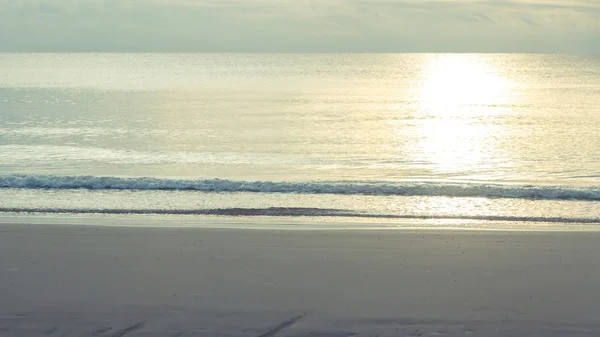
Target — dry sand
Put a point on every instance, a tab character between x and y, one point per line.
111	281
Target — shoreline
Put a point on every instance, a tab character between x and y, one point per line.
303	223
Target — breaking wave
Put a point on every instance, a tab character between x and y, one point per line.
307	187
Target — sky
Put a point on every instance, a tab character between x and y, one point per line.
538	26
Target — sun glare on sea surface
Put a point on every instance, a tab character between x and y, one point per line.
460	100
452	84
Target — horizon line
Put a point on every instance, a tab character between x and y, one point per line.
293	52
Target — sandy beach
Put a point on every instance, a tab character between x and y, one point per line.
117	281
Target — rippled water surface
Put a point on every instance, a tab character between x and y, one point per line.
467	136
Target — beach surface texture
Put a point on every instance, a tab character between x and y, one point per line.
117	281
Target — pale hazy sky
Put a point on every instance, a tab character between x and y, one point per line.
301	25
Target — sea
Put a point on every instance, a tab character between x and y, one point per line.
296	140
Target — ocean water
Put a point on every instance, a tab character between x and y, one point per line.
396	138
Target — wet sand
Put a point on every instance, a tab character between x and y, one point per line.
121	281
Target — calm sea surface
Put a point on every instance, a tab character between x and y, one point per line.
389	137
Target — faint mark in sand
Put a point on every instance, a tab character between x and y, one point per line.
332	334
100	331
282	326
468	330
417	333
127	330
5	328
52	330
